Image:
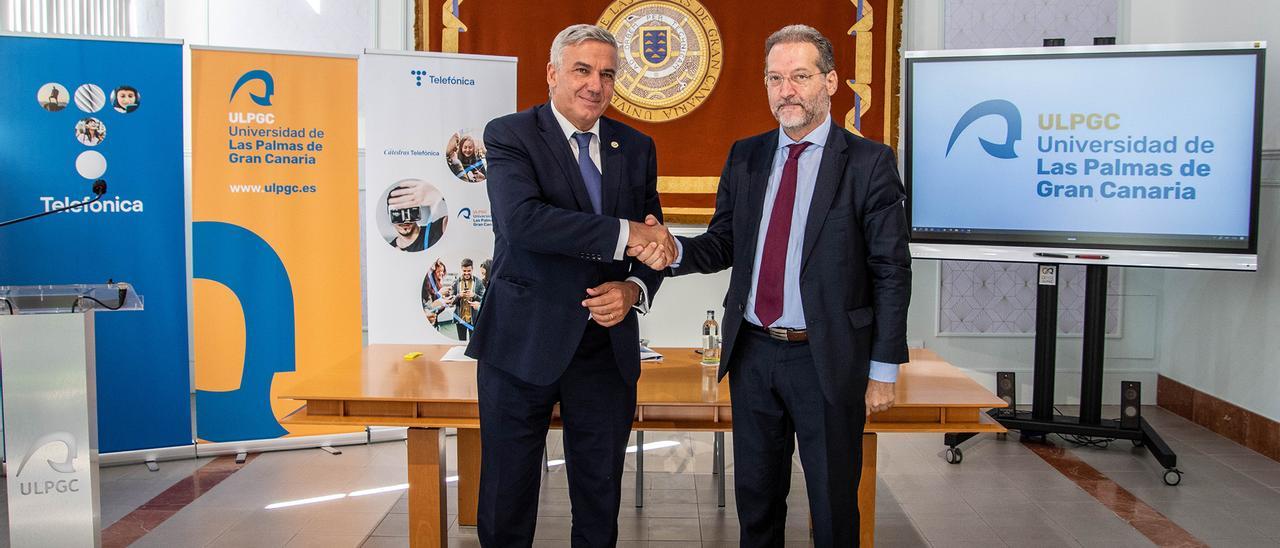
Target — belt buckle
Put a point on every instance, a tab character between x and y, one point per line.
779	333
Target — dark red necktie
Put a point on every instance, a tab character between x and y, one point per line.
773	263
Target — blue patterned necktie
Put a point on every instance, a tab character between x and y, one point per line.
590	175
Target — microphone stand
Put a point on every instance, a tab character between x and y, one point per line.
99	188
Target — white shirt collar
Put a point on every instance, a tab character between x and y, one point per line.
818	136
568	128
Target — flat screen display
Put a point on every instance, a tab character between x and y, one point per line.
1132	155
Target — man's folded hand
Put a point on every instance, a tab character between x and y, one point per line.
610	302
651	243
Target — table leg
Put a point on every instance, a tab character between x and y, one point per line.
639	468
428	499
468	475
718	465
867	491
715	454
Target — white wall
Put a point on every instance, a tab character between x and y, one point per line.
1178	21
330	26
146	18
1218	328
1129	357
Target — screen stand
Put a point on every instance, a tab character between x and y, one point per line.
1046	348
1042	420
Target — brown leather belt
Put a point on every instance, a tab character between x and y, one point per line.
780	333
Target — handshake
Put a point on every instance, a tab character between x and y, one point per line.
651	243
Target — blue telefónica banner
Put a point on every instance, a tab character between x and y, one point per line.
74	111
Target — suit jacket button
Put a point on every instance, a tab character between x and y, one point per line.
741	308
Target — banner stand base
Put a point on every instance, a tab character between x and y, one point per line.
159	454
370	435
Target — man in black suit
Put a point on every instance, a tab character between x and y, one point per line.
570	191
811	219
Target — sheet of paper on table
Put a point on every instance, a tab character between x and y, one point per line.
647	354
457	354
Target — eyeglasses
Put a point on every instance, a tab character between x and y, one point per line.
799	79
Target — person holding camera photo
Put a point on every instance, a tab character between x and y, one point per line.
415	230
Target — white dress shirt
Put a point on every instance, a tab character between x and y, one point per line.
624	228
806	181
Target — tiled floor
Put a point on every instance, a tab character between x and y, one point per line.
1003	494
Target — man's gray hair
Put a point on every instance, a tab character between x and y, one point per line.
577	34
792	34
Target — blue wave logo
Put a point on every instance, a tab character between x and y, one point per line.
994	107
268	83
465	213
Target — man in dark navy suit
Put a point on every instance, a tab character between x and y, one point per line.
571	192
810	217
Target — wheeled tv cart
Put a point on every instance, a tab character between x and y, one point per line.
1041	420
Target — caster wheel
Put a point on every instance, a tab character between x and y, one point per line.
1137	443
1172	476
954	455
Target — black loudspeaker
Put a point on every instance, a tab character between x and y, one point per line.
1007	390
1104	40
1054	42
1130	405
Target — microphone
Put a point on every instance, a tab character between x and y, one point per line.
99	188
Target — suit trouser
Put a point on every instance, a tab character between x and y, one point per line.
777	400
596	407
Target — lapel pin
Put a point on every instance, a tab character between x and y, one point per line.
613	144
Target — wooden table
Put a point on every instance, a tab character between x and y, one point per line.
378	387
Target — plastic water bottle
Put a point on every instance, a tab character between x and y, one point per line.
710	340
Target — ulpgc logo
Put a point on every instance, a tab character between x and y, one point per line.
259	75
477	217
64	466
264	100
994	107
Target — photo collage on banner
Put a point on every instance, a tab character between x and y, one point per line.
429	235
275	233
78	111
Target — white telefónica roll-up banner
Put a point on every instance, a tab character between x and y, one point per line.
428	229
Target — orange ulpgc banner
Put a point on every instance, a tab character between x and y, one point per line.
275	230
692	71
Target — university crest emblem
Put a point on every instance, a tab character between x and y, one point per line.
671	54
